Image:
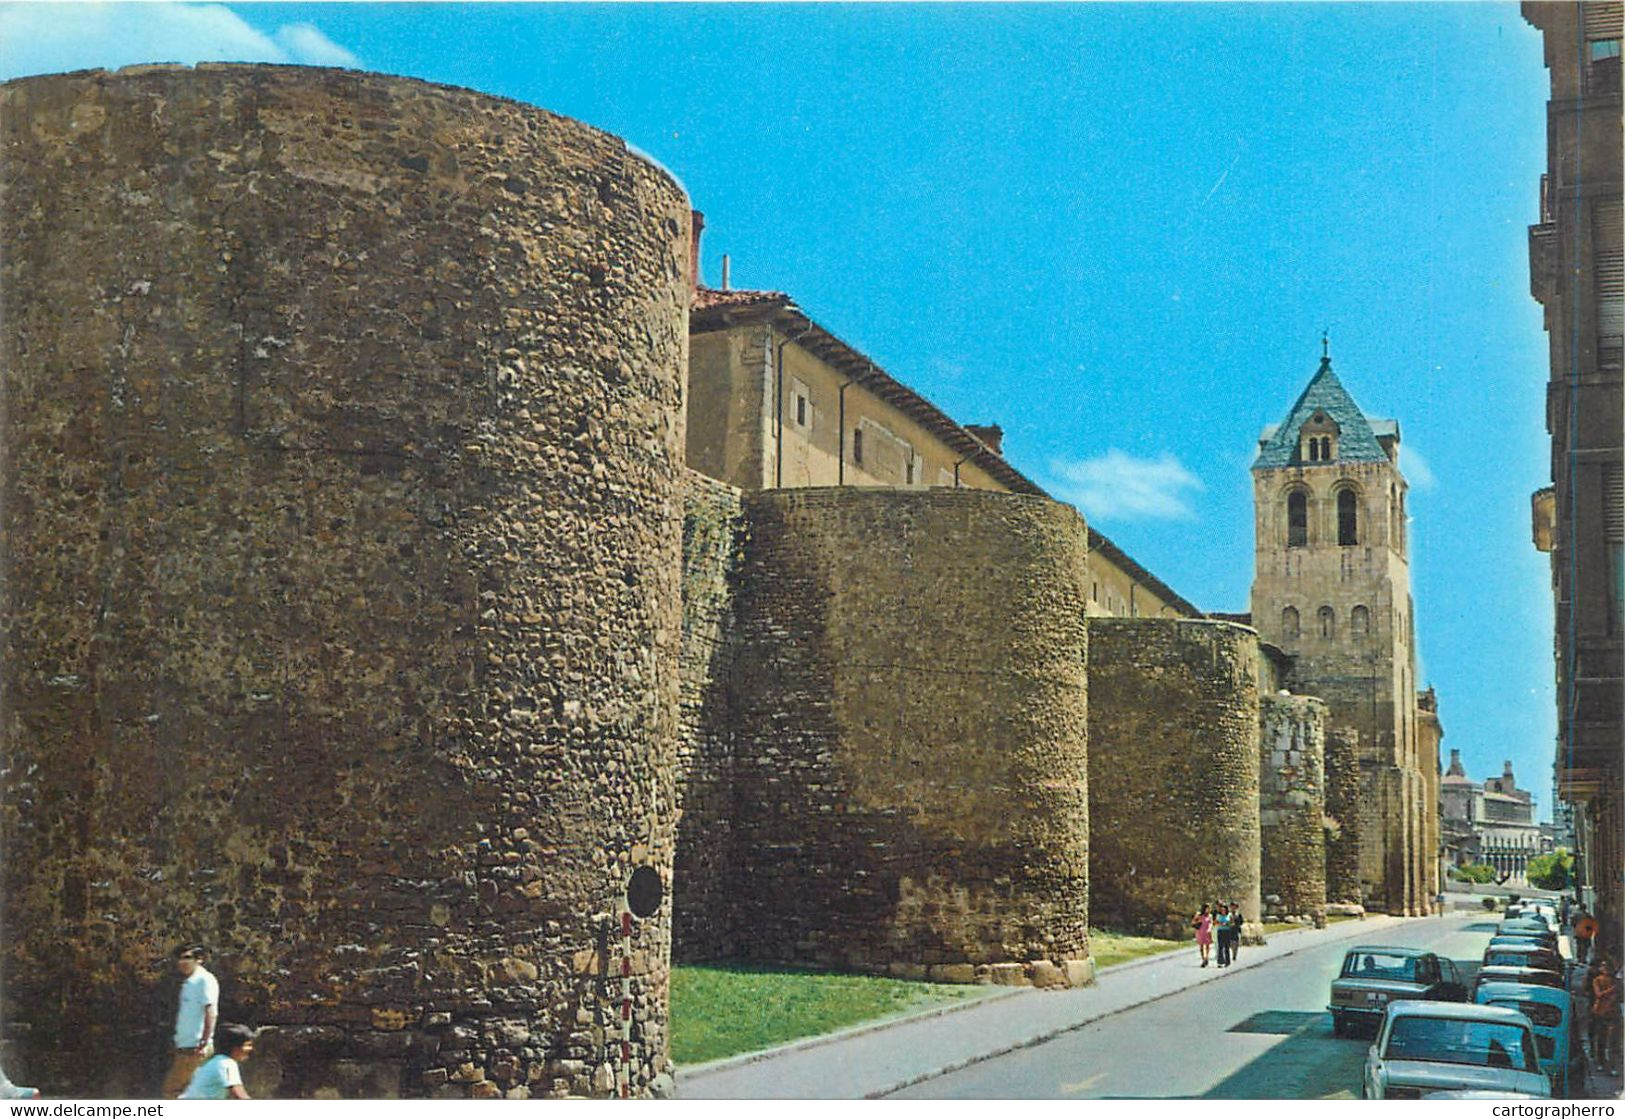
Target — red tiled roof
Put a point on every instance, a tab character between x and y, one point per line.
706	298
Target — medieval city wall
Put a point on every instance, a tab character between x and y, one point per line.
341	451
1292	805
910	713
1345	820
1173	771
713	549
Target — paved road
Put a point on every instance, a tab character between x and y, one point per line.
1259	1033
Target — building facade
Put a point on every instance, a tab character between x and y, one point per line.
1575	267
1331	588
776	401
1492	823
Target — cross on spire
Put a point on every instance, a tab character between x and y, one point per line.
1326	344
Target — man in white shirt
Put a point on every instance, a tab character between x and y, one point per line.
194	1019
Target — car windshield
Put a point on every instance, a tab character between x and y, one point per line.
1462	1041
1380	965
1512	957
1542	1014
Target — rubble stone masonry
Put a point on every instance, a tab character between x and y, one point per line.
1343	797
341	542
713	543
1292	804
910	764
1173	771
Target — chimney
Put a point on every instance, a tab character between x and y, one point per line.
697	224
725	284
991	434
1506	773
1455	769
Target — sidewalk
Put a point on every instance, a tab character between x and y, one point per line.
871	1061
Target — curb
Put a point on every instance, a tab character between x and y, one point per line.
1050	1035
724	1064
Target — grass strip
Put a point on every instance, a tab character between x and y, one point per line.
720	1010
1110	948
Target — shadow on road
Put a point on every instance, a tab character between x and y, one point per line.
1309	1064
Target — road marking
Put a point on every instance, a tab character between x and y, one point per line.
1082	1085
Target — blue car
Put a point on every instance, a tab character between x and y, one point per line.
1551	1011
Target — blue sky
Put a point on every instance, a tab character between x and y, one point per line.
1116	230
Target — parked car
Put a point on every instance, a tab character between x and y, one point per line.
1531	954
1529	924
1533	976
1428	1047
1557	1043
1373	976
1544	940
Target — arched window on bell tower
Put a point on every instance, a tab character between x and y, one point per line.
1348	517
1328	622
1317	439
1289	622
1297	519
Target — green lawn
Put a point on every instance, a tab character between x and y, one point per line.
1110	948
718	1010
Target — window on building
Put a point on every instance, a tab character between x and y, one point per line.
857	445
1608	252
1314	450
800	403
1328	622
1613	533
1347	517
1359	621
1297	519
1603	30
1325	448
1289	622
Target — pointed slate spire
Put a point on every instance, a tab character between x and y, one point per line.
1356	441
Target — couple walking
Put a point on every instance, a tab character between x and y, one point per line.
1221	922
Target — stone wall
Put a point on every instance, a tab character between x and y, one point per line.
713	541
1173	771
911	726
1292	805
1343	799
342	432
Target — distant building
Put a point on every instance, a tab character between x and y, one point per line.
1577	273
1491	824
777	401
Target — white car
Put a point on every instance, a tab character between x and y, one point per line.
1428	1047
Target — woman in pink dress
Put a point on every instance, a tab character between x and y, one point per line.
1204	931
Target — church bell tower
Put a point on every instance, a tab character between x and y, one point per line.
1331	588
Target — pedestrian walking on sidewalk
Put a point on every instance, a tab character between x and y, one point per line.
195	1018
1585	927
1228	932
1605	1009
10	1091
221	1076
1204	931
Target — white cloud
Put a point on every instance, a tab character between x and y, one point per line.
1117	485
48	38
1415	468
307	44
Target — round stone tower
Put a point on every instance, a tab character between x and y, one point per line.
342	418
